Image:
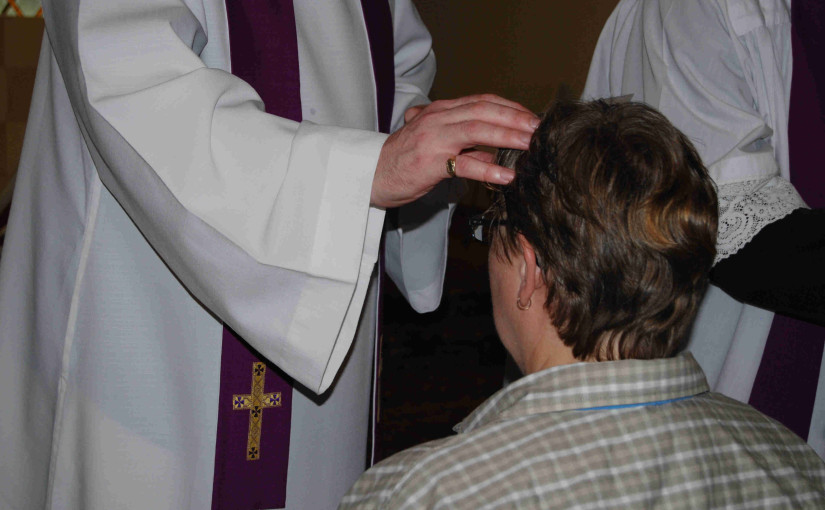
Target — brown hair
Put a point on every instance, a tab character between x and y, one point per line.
622	215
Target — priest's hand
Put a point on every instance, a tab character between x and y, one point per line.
414	158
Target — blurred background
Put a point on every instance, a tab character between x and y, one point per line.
21	29
436	367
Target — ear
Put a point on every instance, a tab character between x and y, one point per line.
532	278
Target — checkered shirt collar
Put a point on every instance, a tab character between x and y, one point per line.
582	386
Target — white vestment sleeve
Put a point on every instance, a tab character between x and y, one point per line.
266	221
416	247
720	71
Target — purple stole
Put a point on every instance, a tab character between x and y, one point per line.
786	382
255	397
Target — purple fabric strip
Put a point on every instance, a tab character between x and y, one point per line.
806	123
263	42
786	382
255	407
252	447
378	20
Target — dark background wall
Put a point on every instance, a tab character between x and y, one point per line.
521	49
437	367
20	40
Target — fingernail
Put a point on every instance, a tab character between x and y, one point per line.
505	177
534	122
525	139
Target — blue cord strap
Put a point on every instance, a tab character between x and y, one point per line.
643	404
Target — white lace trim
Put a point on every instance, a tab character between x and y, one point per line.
747	207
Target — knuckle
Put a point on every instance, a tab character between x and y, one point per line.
472	128
478	108
441	104
524	117
422	117
430	118
511	139
497	133
508	115
421	127
513	115
489	173
467	128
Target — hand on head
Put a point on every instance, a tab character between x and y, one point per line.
414	158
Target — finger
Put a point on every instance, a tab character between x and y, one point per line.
486	157
446	104
412	113
471	168
471	133
490	113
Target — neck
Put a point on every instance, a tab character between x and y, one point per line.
548	352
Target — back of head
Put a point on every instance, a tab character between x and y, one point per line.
622	215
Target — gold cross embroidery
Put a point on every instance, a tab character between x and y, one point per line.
255	403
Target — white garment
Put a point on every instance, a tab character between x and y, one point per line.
156	199
720	71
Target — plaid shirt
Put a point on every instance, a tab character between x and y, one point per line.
623	434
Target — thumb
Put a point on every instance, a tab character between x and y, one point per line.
412	113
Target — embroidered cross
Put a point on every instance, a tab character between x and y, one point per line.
255	403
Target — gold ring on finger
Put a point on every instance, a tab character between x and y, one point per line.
451	167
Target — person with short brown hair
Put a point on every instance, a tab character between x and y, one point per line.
616	190
601	248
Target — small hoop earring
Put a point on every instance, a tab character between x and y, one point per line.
524	307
